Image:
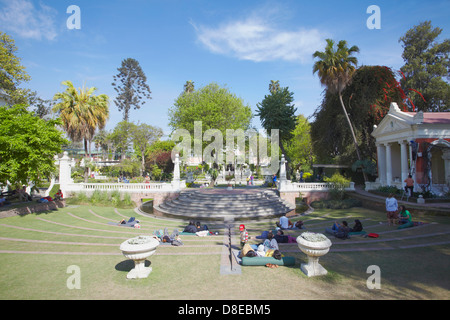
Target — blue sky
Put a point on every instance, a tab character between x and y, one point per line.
238	44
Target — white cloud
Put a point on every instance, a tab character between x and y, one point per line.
260	39
24	19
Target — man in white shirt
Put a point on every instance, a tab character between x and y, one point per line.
391	209
285	223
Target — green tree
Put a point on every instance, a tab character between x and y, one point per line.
189	86
130	84
369	95
28	145
143	136
12	73
274	86
299	148
215	107
335	67
277	111
121	137
81	112
426	69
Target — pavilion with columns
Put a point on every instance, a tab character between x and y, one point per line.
416	143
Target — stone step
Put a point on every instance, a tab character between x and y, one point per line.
248	210
228	205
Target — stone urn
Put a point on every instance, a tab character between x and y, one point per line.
314	245
139	249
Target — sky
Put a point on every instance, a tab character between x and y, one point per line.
240	45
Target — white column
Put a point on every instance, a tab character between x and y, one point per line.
446	158
404	160
381	156
64	172
388	164
283	168
176	173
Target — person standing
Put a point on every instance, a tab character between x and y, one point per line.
243	235
391	209
409	185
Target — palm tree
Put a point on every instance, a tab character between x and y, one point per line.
81	112
335	68
274	86
189	86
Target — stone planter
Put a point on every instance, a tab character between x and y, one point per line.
314	250
139	249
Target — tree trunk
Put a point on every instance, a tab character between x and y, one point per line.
352	131
86	168
143	162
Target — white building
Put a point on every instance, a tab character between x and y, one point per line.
416	143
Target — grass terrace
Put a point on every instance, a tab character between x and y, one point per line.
36	251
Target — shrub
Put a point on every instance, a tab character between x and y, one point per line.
81	197
127	200
336	204
337	184
96	197
115	198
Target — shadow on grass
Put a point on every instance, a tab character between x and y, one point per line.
127	265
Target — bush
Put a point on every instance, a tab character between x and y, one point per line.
102	198
115	198
96	197
337	184
336	204
127	200
390	189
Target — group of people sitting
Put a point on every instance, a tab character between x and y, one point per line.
268	248
58	196
342	230
198	229
23	196
397	214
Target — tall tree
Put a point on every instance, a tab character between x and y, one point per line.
144	135
368	97
427	68
81	112
274	86
214	106
131	87
277	111
335	68
299	149
189	86
12	73
122	137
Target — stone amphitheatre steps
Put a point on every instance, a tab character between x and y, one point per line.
225	205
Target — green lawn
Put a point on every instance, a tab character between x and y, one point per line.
36	251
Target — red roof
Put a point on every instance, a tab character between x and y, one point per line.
434	117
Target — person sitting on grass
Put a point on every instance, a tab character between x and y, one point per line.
3	201
58	195
282	238
339	230
270	243
357	227
23	195
190	228
405	219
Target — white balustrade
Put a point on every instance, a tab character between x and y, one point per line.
313	186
